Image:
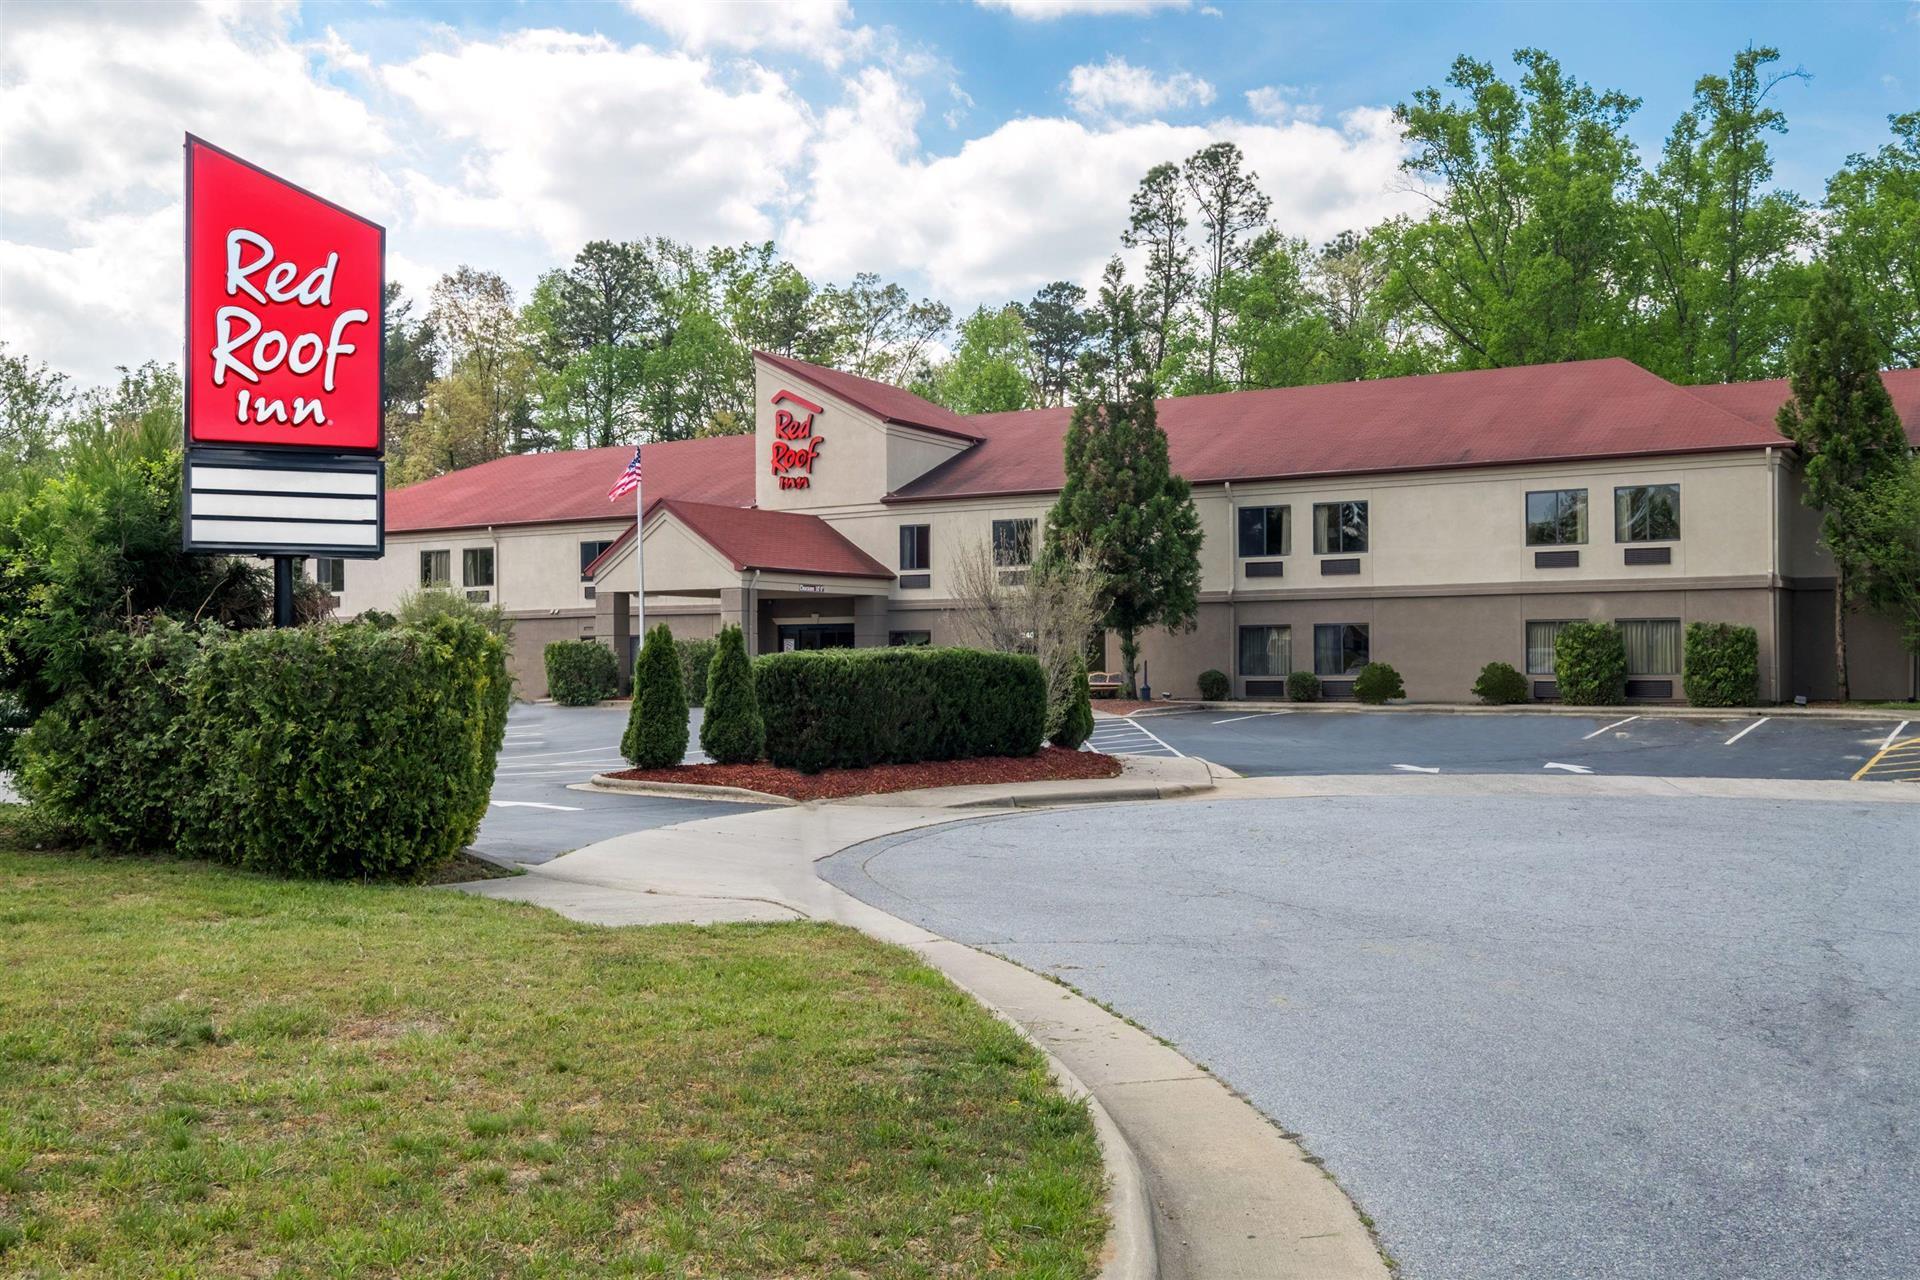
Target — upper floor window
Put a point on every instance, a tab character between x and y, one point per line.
1339	528
1012	543
436	568
1266	531
1646	513
1556	517
916	546
476	566
330	573
589	552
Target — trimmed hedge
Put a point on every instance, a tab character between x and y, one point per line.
1722	665
1303	686
581	672
1590	665
846	708
696	660
1378	683
1501	684
1214	686
656	734
732	731
345	750
1070	717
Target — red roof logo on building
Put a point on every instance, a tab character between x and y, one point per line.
795	447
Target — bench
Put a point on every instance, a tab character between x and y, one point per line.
1104	684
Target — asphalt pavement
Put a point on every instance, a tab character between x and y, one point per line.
1623	1038
534	813
1618	742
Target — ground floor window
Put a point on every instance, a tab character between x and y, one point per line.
436	568
827	635
1541	637
1653	646
1339	648
330	573
476	567
1266	651
909	637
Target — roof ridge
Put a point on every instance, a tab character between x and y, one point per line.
937	418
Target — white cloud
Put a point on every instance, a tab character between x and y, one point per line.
1119	89
1281	102
1047	10
1040	199
818	27
571	137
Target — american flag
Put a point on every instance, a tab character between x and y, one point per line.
629	479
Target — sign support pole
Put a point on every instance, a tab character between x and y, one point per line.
283	591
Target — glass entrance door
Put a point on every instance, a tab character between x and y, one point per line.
820	635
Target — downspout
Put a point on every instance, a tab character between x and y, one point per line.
1776	579
753	614
1233	607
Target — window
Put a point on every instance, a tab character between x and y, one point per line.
330	573
476	566
916	546
1646	513
436	568
910	637
589	552
1556	517
1653	646
1012	543
1266	531
1266	651
1541	637
1339	528
1339	648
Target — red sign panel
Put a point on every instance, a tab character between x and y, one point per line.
795	447
283	312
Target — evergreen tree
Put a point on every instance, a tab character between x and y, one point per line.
1849	436
1056	333
1233	214
656	735
1115	356
1157	222
732	730
1125	506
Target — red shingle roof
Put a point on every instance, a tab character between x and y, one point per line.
779	541
883	400
1540	413
1760	401
538	488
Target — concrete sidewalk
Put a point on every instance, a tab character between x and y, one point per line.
1203	1186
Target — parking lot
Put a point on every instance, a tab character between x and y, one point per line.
535	814
1620	741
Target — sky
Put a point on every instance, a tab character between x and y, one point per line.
972	149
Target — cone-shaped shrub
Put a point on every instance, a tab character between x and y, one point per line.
1070	716
656	733
732	731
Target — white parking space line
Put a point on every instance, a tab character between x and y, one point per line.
1570	768
1615	725
1257	715
1895	735
1744	732
552	755
533	804
1415	768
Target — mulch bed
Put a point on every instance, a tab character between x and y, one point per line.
1047	765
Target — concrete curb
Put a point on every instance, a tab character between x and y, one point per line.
1522	709
685	791
1201	1185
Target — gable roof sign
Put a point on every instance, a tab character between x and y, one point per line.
882	400
756	538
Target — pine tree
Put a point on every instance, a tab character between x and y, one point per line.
1123	503
732	730
656	733
1849	436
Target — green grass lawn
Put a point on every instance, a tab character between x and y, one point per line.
210	1073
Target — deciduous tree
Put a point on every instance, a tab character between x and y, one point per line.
1232	211
1873	236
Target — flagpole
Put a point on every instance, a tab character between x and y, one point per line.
639	553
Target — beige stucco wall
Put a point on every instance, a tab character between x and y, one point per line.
536	568
861	459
